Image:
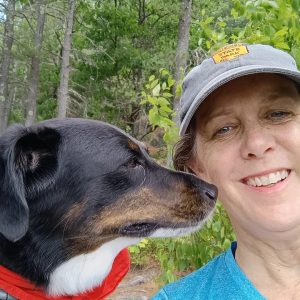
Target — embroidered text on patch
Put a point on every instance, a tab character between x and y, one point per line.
229	52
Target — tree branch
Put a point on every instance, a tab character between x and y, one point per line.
32	29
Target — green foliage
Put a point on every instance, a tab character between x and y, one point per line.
118	46
177	256
180	255
141	252
273	22
115	46
157	98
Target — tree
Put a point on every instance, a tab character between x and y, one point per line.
35	64
182	46
62	95
117	45
5	63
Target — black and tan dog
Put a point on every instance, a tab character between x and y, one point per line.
74	193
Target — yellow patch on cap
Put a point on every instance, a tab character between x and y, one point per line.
229	52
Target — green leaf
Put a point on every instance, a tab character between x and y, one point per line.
282	45
296	54
269	3
169	122
178	90
216	226
282	32
226	243
162	101
222	24
151	78
152	100
154	117
156	90
153	83
222	233
164	72
170	82
208	20
234	13
165	109
208	44
167	95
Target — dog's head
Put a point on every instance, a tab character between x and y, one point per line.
84	183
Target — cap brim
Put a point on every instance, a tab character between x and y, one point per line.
226	77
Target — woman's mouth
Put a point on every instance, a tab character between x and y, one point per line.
267	180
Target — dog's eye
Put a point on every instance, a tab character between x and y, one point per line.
133	163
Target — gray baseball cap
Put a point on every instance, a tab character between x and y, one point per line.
230	62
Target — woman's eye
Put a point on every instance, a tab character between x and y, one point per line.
279	115
223	130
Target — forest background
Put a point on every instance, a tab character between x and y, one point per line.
122	61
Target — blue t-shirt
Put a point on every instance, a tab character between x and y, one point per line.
220	279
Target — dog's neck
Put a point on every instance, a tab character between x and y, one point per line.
86	271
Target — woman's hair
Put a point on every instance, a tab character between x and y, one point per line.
183	150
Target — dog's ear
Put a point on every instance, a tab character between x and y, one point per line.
27	163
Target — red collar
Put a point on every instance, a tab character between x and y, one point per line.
22	289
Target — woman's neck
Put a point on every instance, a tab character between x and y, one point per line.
273	267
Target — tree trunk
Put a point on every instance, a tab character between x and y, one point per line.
5	63
62	95
11	97
182	47
31	102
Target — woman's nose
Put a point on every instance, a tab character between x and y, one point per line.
257	142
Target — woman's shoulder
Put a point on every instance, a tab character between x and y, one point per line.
221	278
201	280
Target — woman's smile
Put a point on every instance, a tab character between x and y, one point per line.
268	181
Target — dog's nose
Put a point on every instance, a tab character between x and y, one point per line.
211	192
206	190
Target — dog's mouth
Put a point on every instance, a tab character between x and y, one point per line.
151	229
140	229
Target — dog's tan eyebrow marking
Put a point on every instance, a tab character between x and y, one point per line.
133	146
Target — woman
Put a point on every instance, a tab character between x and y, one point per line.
240	127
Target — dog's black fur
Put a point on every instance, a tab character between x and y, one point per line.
69	186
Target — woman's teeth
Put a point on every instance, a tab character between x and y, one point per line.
265	180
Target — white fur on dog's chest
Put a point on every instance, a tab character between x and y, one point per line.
86	271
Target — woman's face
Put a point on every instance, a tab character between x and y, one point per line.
248	145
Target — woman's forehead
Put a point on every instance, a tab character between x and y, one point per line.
264	87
